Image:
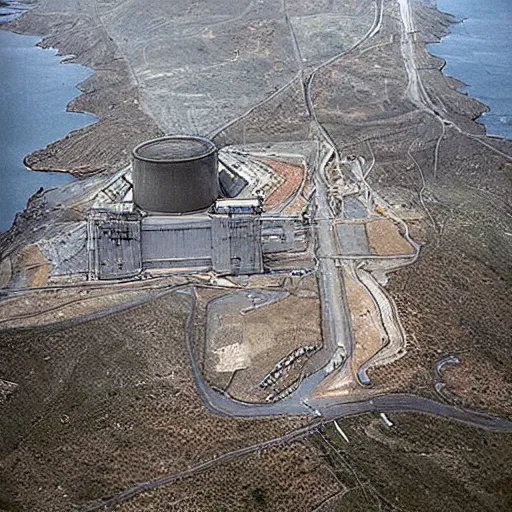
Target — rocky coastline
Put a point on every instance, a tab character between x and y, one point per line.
110	94
106	402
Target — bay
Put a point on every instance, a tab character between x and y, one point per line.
478	52
35	88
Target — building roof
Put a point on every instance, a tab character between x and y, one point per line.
173	149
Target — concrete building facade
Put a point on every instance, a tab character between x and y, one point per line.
124	244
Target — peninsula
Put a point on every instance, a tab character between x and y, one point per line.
281	280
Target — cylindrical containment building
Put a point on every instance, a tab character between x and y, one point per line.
175	175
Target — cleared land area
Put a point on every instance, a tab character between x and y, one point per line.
244	342
55	305
293	177
368	339
385	239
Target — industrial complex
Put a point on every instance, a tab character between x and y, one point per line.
298	298
178	212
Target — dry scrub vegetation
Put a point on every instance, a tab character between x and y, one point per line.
421	464
293	477
105	404
246	347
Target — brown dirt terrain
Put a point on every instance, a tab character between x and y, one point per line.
43	307
365	322
421	464
5	272
293	176
282	479
247	347
6	389
297	207
104	404
385	239
455	299
31	267
477	330
367	338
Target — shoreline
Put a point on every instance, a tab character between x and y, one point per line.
112	77
111	95
454	19
501	143
36	90
457	82
400	142
460	84
107	94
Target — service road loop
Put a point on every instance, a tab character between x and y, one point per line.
334	304
329	408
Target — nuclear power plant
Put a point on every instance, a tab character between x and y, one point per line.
182	215
175	175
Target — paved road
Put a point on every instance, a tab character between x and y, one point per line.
336	315
335	312
336	318
329	409
300	402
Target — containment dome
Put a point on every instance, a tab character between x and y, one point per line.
175	175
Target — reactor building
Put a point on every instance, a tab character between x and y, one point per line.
180	220
175	175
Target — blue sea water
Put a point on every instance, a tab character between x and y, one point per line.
479	53
35	89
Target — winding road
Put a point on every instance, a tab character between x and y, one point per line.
327	409
337	326
335	312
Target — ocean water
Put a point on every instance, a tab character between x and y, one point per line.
35	89
479	53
